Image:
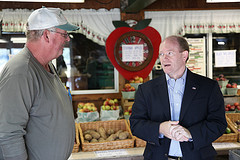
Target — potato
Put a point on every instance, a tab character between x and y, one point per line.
117	133
88	131
86	141
110	131
93	140
101	139
88	137
123	135
95	134
112	137
102	132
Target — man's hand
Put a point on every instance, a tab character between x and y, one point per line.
173	131
165	128
180	133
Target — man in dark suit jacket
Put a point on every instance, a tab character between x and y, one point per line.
180	113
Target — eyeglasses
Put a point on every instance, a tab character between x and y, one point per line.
169	54
65	35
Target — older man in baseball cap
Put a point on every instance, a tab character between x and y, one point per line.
36	114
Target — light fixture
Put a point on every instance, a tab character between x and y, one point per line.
3	40
19	39
58	1
221	1
221	43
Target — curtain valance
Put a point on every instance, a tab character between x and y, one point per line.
94	24
194	22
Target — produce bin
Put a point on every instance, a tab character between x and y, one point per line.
107	145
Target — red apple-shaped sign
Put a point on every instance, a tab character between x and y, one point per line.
148	37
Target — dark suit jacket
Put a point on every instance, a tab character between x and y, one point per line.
202	113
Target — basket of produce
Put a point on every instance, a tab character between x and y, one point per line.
128	92
231	89
87	112
235	119
105	135
232	108
222	82
136	81
110	110
231	133
77	141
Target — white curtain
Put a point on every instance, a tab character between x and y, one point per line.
194	22
95	24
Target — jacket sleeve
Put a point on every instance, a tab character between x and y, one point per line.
141	124
15	103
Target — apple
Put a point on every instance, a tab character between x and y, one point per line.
232	108
130	109
108	107
115	100
80	105
228	105
238	108
141	80
86	110
126	113
229	85
226	109
131	81
111	102
103	107
217	79
105	103
132	89
113	108
127	85
236	104
234	85
94	109
136	78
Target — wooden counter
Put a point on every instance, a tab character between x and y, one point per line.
136	153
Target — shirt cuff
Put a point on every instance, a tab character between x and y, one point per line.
161	136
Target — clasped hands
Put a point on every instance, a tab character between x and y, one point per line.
174	131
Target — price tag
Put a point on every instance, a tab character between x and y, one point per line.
111	153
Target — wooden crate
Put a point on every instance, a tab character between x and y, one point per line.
77	141
231	137
115	125
126	102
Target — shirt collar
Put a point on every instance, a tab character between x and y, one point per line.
183	76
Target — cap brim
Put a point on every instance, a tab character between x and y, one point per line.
68	27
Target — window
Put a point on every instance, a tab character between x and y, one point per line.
227	42
84	66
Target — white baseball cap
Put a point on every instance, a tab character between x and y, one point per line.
45	18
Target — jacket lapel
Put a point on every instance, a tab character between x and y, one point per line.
163	98
191	88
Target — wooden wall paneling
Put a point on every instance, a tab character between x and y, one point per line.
88	4
190	5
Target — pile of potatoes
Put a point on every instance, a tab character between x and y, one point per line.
102	135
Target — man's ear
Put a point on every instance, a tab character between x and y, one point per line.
185	55
46	34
